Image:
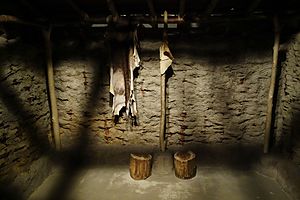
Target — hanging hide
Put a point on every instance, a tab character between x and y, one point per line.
165	57
118	69
134	62
124	59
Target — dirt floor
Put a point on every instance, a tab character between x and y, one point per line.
111	182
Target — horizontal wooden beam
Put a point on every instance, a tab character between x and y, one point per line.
13	19
133	20
124	21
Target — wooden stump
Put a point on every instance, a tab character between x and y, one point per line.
140	166
185	165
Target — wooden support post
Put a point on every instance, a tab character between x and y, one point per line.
163	95
51	89
185	165
163	112
140	166
272	86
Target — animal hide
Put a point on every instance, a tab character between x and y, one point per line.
134	62
117	79
125	59
165	57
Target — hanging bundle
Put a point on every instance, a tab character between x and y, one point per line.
165	54
134	62
118	69
124	60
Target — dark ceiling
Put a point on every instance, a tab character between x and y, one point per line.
75	10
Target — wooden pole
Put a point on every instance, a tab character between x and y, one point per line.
51	90
272	86
163	95
163	112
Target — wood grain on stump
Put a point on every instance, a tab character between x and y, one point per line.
185	165
140	166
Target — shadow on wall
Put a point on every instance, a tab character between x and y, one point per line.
71	160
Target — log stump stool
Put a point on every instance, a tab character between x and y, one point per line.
185	165
140	166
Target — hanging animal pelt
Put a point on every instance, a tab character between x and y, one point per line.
124	60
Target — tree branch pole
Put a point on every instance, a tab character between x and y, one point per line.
51	90
272	86
163	95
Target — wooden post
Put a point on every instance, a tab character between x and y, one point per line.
51	90
163	95
140	166
163	112
185	165
272	86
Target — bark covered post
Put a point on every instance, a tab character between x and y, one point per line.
51	89
272	86
140	166
185	165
